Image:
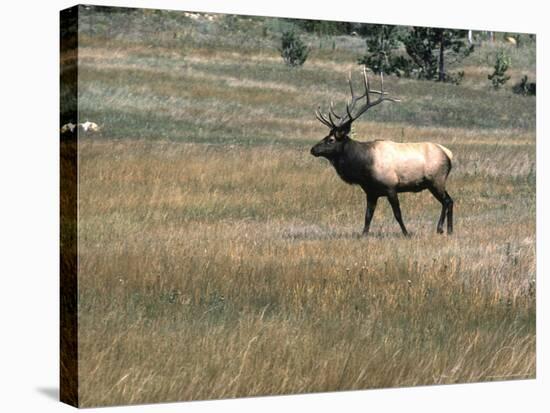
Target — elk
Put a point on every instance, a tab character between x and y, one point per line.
384	168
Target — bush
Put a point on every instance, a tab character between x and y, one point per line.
293	51
525	88
382	41
430	50
455	77
323	27
499	77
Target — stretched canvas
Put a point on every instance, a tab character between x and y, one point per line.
219	180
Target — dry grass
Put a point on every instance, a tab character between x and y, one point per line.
209	273
219	259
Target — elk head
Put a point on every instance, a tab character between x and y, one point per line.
340	125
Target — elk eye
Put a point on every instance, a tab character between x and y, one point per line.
331	140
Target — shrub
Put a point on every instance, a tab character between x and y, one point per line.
455	77
430	50
293	51
323	27
382	41
499	77
525	88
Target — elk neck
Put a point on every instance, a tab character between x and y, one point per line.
353	161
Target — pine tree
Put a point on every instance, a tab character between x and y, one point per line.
293	51
499	77
429	50
382	42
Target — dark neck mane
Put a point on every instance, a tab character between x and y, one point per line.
341	162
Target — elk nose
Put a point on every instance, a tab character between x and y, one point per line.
313	151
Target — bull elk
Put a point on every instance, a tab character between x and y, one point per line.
384	168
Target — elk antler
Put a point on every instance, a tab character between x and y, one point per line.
349	116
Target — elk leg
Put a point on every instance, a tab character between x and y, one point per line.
449	202
440	196
394	202
371	206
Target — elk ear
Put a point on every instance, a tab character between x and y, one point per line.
342	131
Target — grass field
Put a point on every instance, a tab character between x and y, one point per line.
218	258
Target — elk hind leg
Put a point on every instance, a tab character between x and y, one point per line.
446	209
440	196
449	202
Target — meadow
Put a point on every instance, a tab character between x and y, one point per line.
218	258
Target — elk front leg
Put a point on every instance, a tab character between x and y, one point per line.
371	206
394	202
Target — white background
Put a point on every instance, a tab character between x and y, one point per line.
29	205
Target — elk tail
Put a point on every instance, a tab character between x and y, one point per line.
446	151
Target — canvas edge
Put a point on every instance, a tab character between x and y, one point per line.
68	335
